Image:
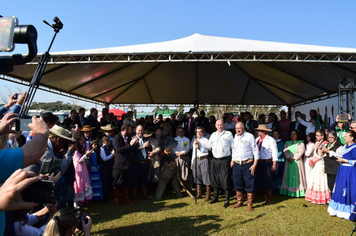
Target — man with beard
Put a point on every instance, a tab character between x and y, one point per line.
57	147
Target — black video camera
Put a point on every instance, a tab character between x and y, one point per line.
12	33
81	216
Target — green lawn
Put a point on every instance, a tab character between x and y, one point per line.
173	216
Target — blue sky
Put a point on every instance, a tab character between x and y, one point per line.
100	24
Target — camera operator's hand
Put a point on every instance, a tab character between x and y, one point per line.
12	101
55	178
38	126
21	98
87	227
6	122
10	191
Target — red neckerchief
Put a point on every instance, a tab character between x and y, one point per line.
259	142
191	122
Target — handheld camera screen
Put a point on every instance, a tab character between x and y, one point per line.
43	191
7	26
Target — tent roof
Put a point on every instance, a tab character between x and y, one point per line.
205	44
213	70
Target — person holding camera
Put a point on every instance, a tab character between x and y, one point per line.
65	223
13	159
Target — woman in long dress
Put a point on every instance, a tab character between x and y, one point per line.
343	199
82	187
293	184
309	151
333	150
278	174
318	190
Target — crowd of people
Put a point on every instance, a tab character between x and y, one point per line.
106	155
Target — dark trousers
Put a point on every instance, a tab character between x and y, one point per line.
263	176
331	181
106	179
140	174
220	174
241	173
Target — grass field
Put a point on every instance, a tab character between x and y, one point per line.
174	216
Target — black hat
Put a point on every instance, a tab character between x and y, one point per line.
157	127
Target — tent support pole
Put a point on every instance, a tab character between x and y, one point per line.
290	112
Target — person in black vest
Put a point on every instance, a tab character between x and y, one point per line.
140	156
106	156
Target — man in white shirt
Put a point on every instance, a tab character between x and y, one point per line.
220	143
267	162
182	154
200	164
245	157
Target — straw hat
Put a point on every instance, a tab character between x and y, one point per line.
263	128
61	132
147	134
87	128
108	127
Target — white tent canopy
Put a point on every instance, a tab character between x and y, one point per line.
212	70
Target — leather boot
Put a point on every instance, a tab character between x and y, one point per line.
116	197
127	196
144	192
239	197
227	199
268	196
208	193
250	201
215	196
199	190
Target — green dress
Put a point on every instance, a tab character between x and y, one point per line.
294	182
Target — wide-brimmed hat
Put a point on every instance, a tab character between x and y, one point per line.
86	128
147	134
61	132
262	128
108	127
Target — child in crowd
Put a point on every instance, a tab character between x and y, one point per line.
278	174
106	165
82	187
95	179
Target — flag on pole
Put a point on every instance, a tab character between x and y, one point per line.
317	122
326	123
332	115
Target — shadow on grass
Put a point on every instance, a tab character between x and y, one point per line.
200	225
252	219
104	211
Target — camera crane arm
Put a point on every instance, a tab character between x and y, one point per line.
42	63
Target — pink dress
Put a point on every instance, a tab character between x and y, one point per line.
82	186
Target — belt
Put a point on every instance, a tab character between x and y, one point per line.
244	162
222	158
142	162
265	160
202	157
